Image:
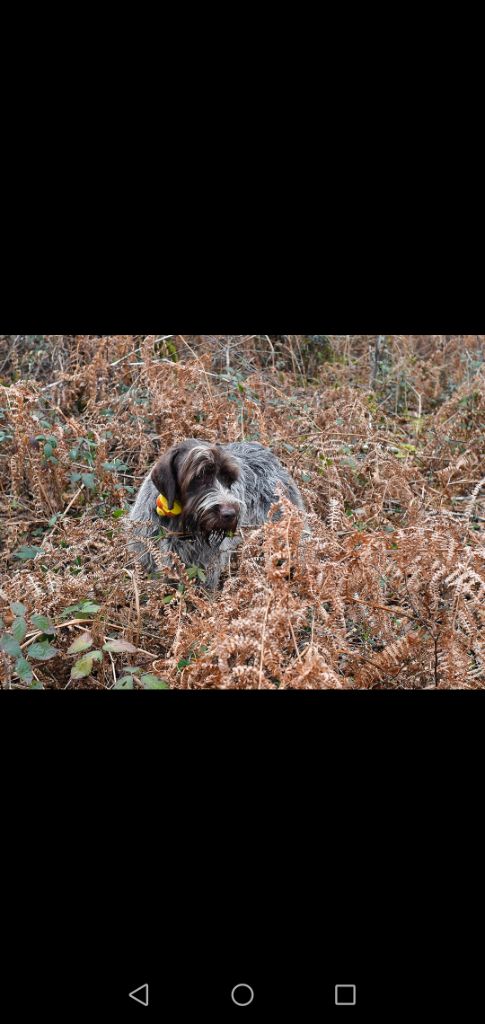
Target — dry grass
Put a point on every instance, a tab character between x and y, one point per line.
385	436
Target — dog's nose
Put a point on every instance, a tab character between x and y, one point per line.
227	514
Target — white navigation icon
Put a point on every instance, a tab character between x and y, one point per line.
140	995
242	995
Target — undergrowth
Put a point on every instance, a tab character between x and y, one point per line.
385	437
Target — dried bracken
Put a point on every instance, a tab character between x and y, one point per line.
385	436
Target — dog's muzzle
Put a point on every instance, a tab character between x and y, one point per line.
228	517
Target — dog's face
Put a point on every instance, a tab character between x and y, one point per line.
199	476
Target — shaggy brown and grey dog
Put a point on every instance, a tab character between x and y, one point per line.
219	488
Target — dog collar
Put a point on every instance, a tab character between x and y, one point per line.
164	510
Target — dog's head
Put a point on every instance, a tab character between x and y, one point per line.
199	476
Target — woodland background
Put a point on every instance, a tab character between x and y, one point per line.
385	436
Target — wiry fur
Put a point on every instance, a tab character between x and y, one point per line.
220	488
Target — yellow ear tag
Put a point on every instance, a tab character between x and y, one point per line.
164	510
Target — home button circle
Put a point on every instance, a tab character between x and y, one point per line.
242	995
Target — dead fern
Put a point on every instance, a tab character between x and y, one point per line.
385	437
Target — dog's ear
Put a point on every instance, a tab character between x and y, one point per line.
164	474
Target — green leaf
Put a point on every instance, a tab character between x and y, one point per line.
348	460
118	512
150	682
37	686
83	667
10	645
84	608
19	629
17	608
42	651
81	643
88	480
116	466
89	607
44	623
125	683
118	646
24	670
168	598
26	551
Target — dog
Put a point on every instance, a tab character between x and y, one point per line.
197	495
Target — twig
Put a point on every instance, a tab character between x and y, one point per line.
64	514
128	354
383	608
294	640
53	385
380	339
132	576
112	667
204	371
262	643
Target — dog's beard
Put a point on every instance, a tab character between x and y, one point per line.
215	538
202	514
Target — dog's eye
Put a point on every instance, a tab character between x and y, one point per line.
227	481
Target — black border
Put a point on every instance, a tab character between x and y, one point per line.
348	822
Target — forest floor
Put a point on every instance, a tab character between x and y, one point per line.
385	436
